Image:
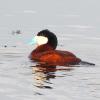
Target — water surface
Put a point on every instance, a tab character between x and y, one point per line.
76	24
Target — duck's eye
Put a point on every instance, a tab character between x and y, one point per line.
41	40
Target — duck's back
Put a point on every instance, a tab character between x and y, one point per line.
56	57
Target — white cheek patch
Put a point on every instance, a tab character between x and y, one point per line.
41	40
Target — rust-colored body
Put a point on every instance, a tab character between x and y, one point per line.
47	55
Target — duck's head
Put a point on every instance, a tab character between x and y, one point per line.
46	37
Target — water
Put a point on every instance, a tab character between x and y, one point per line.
76	24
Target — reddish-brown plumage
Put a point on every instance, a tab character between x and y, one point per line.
46	52
47	55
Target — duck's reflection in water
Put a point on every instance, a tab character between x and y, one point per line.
43	73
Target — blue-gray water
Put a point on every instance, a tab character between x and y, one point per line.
76	24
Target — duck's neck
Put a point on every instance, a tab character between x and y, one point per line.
43	48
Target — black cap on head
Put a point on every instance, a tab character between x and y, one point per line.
52	39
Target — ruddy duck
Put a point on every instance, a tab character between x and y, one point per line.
46	52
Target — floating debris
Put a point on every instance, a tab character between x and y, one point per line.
5	46
16	32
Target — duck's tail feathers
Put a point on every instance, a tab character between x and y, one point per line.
86	63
